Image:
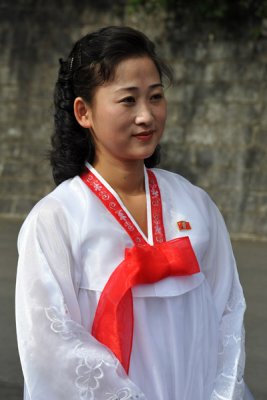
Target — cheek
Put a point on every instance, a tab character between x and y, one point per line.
162	115
115	116
121	118
162	110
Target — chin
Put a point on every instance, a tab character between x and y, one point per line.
148	153
141	155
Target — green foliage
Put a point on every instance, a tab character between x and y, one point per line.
220	9
147	5
233	15
208	8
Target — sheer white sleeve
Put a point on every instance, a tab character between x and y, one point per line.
221	272
60	359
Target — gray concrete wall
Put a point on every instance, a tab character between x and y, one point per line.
217	129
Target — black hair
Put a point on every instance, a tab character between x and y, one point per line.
92	62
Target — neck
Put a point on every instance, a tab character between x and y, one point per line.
126	178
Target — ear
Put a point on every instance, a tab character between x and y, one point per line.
82	112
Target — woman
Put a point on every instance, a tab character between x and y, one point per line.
127	287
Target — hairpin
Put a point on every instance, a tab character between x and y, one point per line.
71	64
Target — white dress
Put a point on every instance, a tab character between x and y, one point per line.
188	340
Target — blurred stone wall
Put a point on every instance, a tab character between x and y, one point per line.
216	134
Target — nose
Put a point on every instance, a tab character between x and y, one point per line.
144	115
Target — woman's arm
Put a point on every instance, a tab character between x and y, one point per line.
60	359
220	269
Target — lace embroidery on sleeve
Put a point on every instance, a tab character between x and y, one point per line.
124	394
88	378
91	365
61	324
231	358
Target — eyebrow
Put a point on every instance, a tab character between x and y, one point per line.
134	88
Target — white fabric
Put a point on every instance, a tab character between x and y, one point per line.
188	332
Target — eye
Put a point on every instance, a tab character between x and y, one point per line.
157	96
128	100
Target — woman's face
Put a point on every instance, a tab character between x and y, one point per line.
127	115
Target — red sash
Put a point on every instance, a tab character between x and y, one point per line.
143	264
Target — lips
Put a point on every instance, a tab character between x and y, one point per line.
145	135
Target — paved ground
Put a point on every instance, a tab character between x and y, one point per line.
252	260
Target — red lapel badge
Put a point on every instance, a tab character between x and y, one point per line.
183	225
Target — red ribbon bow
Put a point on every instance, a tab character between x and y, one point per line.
113	322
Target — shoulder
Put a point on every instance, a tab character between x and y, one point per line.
177	183
187	195
173	177
61	209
